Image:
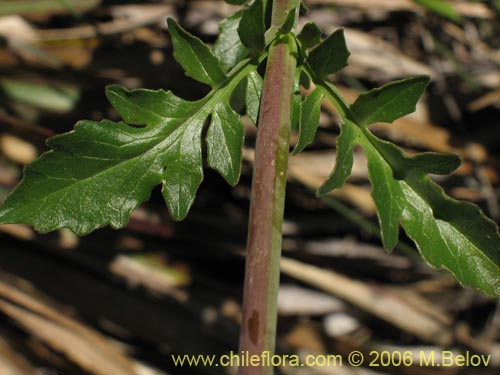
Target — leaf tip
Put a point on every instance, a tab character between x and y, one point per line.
389	244
114	89
171	22
297	149
322	191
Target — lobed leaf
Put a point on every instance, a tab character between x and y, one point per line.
194	56
389	102
448	233
97	174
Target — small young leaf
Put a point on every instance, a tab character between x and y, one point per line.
309	36
344	159
252	28
309	119
228	47
329	56
194	56
252	96
389	102
224	142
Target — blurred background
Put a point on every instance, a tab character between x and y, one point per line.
121	302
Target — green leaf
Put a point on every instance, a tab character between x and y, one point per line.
97	174
448	233
252	28
238	97
228	47
224	140
252	95
329	56
467	244
194	56
346	141
385	189
148	107
403	164
442	8
235	2
467	241
389	102
289	22
184	169
309	36
309	119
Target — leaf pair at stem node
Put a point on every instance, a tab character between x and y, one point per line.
97	174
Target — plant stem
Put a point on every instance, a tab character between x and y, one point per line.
258	328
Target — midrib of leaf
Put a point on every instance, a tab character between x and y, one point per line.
220	93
